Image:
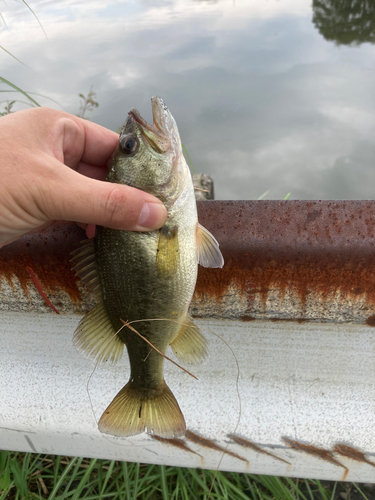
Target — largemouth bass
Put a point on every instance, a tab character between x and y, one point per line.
142	276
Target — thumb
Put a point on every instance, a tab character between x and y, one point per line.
82	199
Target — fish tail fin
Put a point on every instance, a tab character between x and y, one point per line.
136	410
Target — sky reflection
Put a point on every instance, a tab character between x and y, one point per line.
262	100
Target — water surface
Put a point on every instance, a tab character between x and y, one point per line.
269	95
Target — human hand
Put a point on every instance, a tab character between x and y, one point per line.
51	168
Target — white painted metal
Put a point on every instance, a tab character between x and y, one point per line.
312	382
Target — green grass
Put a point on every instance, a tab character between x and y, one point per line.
35	476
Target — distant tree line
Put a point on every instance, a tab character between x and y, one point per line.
345	21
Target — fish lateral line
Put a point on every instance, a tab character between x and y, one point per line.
156	349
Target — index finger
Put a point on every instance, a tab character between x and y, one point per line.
100	142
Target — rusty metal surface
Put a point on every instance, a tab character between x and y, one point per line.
47	254
299	260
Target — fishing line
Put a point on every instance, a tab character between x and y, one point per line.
237	380
239	413
97	362
156	349
181	324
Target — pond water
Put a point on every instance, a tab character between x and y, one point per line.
269	95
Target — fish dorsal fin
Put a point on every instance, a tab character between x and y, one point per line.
190	346
167	257
208	252
85	267
96	338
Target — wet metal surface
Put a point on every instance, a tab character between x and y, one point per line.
299	260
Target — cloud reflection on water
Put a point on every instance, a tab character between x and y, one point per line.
263	102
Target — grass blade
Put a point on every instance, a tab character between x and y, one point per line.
3	19
188	159
164	489
85	479
61	478
36	17
72	478
360	491
35	93
14	57
4	471
19	90
263	195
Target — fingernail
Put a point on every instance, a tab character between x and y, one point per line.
90	230
153	216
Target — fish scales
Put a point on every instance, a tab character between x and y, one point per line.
146	276
134	290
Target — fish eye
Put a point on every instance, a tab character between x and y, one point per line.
129	144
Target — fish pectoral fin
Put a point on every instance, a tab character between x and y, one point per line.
136	410
208	252
167	257
96	338
85	267
190	346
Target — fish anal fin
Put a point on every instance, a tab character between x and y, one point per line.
135	410
167	257
96	338
190	346
208	252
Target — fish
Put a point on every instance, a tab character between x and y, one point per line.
141	276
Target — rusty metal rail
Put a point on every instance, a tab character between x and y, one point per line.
295	301
295	260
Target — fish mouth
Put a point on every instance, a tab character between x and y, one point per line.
157	134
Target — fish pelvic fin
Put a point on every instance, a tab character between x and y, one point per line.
190	346
208	252
96	338
136	410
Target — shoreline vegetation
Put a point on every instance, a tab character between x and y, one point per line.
37	476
